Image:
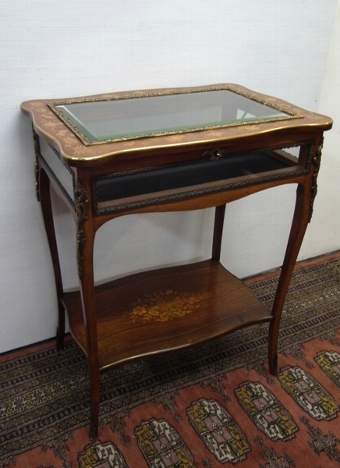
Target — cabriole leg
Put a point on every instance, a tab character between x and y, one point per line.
298	229
46	207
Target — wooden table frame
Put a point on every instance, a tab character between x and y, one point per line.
110	326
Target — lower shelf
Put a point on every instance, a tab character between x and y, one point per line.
165	309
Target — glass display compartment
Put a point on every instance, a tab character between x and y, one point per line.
116	192
100	121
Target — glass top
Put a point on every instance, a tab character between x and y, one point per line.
107	120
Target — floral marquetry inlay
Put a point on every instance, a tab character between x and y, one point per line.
165	305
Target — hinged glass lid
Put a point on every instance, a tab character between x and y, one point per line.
106	120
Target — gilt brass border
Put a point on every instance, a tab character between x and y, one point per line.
314	186
53	106
178	197
81	205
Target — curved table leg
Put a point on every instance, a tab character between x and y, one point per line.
298	229
218	230
46	207
85	250
88	300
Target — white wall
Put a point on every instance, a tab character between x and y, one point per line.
60	48
324	231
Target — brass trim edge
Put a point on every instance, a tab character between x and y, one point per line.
81	206
83	138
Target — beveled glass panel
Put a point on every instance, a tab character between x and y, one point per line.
133	117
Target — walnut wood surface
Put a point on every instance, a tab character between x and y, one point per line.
74	152
221	303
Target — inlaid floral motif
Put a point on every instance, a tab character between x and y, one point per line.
165	305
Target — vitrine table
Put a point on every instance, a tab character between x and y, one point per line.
160	151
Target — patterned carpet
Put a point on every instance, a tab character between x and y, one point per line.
211	406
